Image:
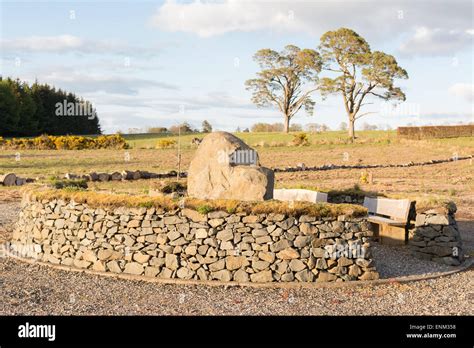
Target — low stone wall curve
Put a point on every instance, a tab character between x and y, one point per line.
185	244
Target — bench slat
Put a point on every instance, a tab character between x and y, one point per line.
383	220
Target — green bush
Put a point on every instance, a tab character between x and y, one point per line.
173	187
78	184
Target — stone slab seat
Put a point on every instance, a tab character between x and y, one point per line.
383	220
299	195
390	218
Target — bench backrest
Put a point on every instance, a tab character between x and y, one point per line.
397	209
299	195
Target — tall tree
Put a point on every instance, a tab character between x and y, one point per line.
9	111
206	127
286	80
27	124
360	73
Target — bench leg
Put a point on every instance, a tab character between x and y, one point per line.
392	235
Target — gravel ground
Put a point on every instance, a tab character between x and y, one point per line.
396	261
39	290
8	214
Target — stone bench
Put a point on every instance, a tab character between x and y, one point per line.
300	195
389	218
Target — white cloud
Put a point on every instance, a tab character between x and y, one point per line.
375	19
70	43
214	18
436	42
44	43
83	83
463	90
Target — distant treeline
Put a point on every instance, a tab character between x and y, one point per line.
42	109
436	132
183	128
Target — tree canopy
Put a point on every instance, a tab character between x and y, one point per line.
286	80
359	72
32	110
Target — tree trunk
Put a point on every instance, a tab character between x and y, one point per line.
286	128
351	129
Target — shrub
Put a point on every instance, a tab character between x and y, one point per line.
300	139
364	178
44	142
68	183
67	142
165	143
173	187
115	141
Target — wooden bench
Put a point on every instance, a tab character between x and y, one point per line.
299	195
389	218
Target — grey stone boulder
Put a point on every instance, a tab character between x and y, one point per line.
224	167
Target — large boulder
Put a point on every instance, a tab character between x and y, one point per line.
224	167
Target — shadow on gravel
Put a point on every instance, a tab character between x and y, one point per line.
466	228
397	261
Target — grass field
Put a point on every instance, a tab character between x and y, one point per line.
453	180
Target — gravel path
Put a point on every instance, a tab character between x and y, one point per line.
38	290
8	215
31	289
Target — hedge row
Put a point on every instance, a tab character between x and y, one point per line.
68	142
436	132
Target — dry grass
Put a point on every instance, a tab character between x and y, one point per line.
451	181
324	149
100	199
444	204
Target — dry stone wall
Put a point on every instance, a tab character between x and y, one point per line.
436	237
186	244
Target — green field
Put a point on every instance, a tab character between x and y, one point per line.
147	141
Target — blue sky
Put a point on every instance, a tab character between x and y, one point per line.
147	63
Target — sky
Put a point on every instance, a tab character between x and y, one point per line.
160	63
